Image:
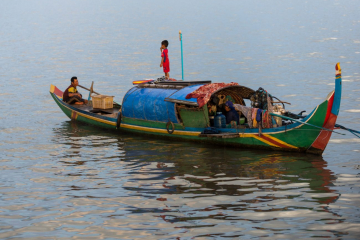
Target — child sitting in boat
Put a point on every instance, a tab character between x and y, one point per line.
165	63
71	95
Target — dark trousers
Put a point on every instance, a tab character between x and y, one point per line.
75	99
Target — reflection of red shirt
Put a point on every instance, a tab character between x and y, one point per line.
166	62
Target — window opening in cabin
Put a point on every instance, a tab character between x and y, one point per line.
218	105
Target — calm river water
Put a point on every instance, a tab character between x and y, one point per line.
63	180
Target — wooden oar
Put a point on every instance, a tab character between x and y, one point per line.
142	81
88	89
292	119
94	92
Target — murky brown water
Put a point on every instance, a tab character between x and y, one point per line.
63	180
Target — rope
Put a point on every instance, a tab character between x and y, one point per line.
348	129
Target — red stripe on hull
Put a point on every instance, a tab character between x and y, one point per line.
324	136
330	103
274	142
58	92
74	115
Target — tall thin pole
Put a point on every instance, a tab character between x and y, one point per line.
182	62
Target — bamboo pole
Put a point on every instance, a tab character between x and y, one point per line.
292	119
182	62
92	91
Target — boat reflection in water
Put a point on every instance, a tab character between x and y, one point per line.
154	187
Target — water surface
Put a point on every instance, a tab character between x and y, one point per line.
63	180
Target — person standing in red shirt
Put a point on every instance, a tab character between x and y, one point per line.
165	63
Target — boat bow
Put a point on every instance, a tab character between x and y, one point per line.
334	99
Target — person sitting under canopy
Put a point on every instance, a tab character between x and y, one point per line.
231	114
71	95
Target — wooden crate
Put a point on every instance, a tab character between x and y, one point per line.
102	101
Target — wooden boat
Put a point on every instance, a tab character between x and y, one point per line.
162	109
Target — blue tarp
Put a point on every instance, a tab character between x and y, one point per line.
156	104
149	104
180	95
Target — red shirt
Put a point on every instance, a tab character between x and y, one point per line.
70	89
165	55
166	62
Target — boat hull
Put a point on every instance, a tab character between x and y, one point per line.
295	137
78	115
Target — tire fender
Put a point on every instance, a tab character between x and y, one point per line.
118	120
170	131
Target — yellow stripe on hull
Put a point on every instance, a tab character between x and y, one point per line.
98	119
279	141
255	135
157	130
187	133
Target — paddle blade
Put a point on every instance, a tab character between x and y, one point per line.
91	90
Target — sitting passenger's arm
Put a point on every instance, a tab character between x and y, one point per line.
74	94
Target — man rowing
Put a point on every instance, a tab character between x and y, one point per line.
71	95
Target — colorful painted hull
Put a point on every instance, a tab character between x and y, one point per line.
297	137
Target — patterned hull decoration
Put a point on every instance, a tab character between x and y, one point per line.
74	115
272	141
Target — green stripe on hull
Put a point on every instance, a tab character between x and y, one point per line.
159	129
150	124
96	123
305	135
240	142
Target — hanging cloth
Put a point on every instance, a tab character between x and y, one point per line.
266	120
263	119
259	115
247	112
204	92
270	109
253	117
